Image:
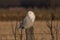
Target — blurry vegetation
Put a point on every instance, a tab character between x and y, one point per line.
42	9
41	14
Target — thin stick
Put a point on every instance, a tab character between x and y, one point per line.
13	31
57	31
21	34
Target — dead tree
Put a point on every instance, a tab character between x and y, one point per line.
50	26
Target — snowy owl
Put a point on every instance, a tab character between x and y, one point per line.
28	20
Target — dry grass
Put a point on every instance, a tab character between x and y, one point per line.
41	31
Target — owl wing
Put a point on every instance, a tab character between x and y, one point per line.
22	23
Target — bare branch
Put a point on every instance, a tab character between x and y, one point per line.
13	31
51	27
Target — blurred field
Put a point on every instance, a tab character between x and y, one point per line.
9	17
18	13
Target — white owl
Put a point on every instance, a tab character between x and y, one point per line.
28	20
